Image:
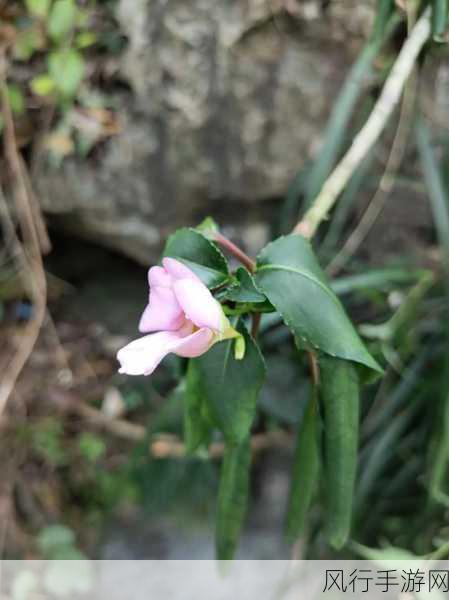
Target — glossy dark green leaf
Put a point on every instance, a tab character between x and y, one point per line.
200	254
245	289
289	275
197	426
232	498
305	471
229	386
340	399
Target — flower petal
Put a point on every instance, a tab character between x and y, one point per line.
157	276
195	344
142	356
178	270
198	304
162	313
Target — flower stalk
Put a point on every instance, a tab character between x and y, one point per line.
237	252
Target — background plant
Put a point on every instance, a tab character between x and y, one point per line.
187	433
54	45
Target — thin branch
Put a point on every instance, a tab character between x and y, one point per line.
162	445
386	184
171	447
118	427
28	253
370	132
39	224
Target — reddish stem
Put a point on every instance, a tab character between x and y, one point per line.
235	251
255	323
248	263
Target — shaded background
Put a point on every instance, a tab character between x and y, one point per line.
170	112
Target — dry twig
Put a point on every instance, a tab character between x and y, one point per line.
27	252
162	445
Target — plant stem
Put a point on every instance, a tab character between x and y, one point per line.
314	367
235	251
336	129
386	184
255	324
246	262
370	132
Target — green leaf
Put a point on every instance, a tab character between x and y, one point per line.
306	467
289	275
42	85
83	16
54	537
230	387
91	446
197	425
27	43
232	498
16	99
340	397
48	441
199	254
66	68
85	39
208	227
38	8
62	19
245	289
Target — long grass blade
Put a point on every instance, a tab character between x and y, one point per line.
439	202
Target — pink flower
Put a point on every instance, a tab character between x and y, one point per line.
187	318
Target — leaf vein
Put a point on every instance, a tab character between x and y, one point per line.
305	274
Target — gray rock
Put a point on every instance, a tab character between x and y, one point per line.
228	100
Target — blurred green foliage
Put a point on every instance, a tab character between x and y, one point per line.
55	47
